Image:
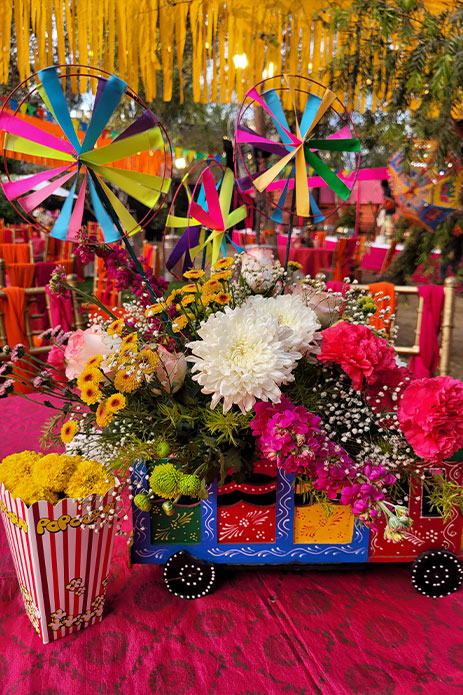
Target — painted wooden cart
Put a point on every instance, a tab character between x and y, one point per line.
266	521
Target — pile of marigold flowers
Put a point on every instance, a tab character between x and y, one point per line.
32	477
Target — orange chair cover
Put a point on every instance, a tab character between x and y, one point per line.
387	289
21	274
320	238
15	253
15	326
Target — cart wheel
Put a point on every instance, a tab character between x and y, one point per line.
187	577
437	573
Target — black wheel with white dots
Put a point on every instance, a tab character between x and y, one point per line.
187	577
437	573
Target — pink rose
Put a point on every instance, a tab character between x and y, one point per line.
431	417
327	306
170	370
82	345
56	359
358	351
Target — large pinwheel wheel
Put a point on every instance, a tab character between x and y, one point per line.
304	157
208	220
99	165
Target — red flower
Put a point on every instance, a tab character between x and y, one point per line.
358	351
431	417
56	359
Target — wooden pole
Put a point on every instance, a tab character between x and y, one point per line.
450	285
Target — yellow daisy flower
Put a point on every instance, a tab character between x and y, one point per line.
223	264
179	323
148	360
211	286
188	288
91	394
116	327
103	415
206	299
223	275
68	431
94	361
188	299
155	309
130	339
194	274
116	402
295	265
222	298
126	382
89	377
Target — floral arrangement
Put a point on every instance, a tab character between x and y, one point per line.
251	361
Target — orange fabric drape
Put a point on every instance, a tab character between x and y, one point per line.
15	253
343	255
381	321
15	326
21	274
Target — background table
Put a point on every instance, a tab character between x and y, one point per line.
313	260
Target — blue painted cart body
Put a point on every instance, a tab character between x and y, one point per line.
283	550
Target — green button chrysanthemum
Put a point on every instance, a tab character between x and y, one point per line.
164	480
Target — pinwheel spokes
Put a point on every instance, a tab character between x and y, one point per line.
91	167
297	151
208	221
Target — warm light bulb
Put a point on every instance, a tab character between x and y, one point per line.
180	163
240	60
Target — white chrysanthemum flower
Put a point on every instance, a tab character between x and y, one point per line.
242	357
290	310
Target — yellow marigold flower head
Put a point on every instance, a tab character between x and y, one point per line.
223	264
29	492
103	415
188	288
116	402
126	382
164	480
68	431
52	472
89	478
91	376
148	360
295	265
116	327
155	309
91	394
211	286
189	299
194	274
222	298
222	275
179	323
94	361
15	467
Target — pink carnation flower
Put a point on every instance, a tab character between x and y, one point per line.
431	417
358	351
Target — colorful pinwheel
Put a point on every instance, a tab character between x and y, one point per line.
295	152
85	159
208	220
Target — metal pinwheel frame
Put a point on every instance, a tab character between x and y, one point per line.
294	153
75	158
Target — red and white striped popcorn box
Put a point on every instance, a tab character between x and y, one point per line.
61	563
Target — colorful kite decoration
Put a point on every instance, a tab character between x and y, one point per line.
209	218
425	195
89	162
296	153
